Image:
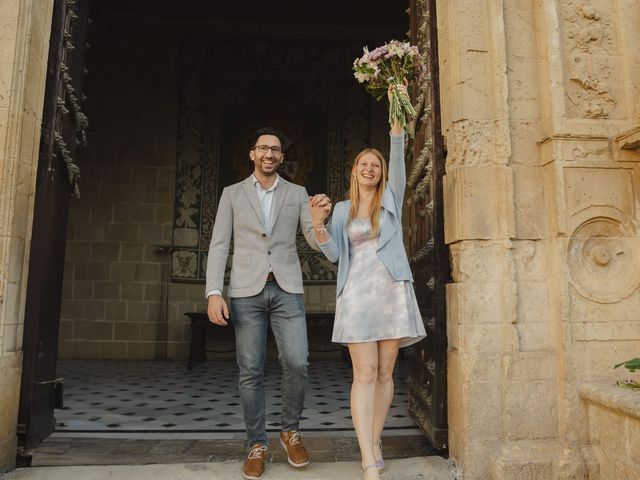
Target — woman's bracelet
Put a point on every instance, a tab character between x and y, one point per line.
320	228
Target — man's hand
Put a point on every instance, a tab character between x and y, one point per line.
318	213
321	200
217	310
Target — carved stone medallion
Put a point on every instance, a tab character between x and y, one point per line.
604	260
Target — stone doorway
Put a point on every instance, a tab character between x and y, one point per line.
124	298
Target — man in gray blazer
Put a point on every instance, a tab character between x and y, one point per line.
262	214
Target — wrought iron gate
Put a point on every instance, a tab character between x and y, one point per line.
428	254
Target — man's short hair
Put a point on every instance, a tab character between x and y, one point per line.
284	140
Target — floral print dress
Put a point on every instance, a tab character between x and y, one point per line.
372	305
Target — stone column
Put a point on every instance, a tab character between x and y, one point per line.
479	225
540	108
24	43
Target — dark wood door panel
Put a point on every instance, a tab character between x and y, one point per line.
428	253
63	130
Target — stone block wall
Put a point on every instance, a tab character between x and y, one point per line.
24	44
540	114
112	300
115	285
590	185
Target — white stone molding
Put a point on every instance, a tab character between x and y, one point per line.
627	146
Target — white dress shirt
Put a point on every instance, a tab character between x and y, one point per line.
265	196
266	201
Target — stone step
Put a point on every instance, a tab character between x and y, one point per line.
70	451
418	468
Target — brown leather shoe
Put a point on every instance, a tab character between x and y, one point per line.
253	468
296	453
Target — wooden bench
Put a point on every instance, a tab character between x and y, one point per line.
200	325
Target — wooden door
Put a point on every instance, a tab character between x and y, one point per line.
63	130
428	253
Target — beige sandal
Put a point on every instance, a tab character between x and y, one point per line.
380	463
368	467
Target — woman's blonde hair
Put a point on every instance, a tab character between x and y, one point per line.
354	191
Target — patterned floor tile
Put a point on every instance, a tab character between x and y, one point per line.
162	396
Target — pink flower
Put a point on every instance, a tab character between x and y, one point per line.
378	53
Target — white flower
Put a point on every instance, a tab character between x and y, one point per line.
361	76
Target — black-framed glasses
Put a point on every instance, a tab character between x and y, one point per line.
265	148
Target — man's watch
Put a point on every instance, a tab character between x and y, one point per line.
320	228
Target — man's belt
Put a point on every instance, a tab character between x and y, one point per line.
271	277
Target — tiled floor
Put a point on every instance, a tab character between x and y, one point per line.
163	396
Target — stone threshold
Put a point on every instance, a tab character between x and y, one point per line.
420	468
65	451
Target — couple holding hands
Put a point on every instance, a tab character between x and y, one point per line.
376	309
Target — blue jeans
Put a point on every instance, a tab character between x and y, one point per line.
250	317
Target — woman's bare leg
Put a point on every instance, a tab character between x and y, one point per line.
387	354
364	357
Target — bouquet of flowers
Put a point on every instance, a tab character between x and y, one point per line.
391	64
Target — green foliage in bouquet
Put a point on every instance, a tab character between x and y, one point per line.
391	64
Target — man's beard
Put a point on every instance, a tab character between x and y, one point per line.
271	172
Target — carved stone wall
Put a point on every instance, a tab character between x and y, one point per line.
591	188
593	64
540	114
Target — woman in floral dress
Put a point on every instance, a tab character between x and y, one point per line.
376	309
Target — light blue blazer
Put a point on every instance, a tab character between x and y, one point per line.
390	244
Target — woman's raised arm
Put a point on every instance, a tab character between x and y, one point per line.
397	173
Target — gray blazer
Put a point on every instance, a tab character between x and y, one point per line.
239	216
